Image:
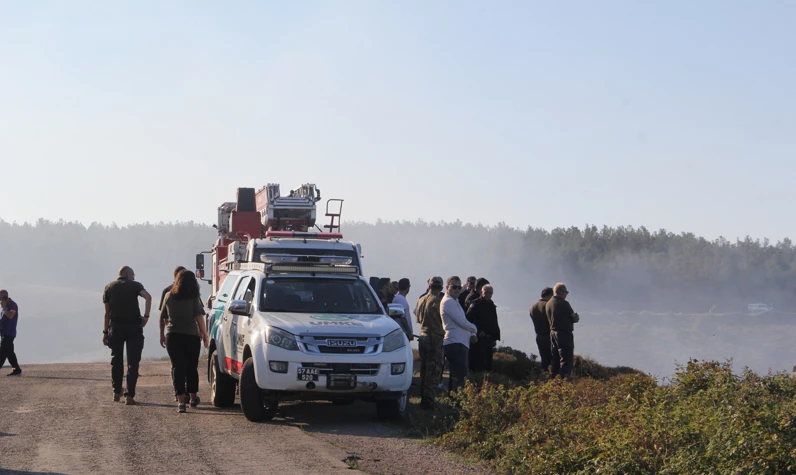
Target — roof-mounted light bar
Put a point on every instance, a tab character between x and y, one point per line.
305	235
311	269
289	258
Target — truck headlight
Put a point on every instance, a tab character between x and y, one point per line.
281	338
394	340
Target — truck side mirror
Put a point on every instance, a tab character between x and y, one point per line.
200	262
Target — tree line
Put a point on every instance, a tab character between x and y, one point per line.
613	268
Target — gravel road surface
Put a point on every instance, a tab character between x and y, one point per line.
61	419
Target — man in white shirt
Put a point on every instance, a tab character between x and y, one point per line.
400	298
459	333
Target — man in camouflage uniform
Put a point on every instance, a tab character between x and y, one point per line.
432	335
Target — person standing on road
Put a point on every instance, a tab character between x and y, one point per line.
562	322
459	333
432	334
177	270
542	328
9	316
124	325
182	328
400	298
483	314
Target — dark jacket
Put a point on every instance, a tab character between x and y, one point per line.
473	295
483	314
463	299
559	313
539	317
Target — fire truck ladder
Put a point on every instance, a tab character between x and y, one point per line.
332	226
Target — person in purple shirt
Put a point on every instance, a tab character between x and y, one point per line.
9	315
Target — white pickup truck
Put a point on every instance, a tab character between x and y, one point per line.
297	328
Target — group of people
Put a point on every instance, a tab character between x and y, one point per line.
460	325
182	331
457	323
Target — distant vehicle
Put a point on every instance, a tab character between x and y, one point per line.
760	307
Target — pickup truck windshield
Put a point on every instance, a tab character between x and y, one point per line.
318	296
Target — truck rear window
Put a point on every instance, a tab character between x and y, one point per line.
318	296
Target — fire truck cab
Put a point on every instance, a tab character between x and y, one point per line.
291	316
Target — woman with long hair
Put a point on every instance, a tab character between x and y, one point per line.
182	327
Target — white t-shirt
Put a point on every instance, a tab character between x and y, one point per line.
402	300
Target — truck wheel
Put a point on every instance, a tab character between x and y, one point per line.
222	386
254	405
393	409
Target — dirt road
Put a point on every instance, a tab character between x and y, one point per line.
61	419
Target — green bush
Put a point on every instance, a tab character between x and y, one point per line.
705	420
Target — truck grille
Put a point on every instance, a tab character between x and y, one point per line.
360	369
353	345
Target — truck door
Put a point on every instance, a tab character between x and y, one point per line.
215	321
234	340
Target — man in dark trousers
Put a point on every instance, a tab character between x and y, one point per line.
432	335
483	313
542	328
9	315
124	325
562	323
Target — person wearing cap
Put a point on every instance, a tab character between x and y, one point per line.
431	340
459	334
562	322
542	328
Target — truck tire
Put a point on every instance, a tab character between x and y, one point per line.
392	410
255	407
222	386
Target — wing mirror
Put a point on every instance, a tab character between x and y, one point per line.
396	310
240	307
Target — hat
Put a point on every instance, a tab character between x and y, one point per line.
435	281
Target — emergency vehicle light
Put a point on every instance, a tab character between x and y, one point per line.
318	269
282	258
298	234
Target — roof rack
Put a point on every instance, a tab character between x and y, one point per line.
286	267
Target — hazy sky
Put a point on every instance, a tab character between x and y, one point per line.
673	114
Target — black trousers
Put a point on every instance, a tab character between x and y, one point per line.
458	358
545	353
119	335
7	352
563	349
184	355
480	355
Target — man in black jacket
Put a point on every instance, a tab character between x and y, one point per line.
468	287
542	328
483	314
475	293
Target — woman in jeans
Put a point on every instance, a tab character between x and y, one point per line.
182	318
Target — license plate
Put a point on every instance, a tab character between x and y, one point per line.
341	381
308	374
342	343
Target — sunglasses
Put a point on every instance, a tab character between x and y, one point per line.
456	287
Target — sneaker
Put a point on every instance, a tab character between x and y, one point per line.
117	397
16	372
181	407
195	402
129	401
